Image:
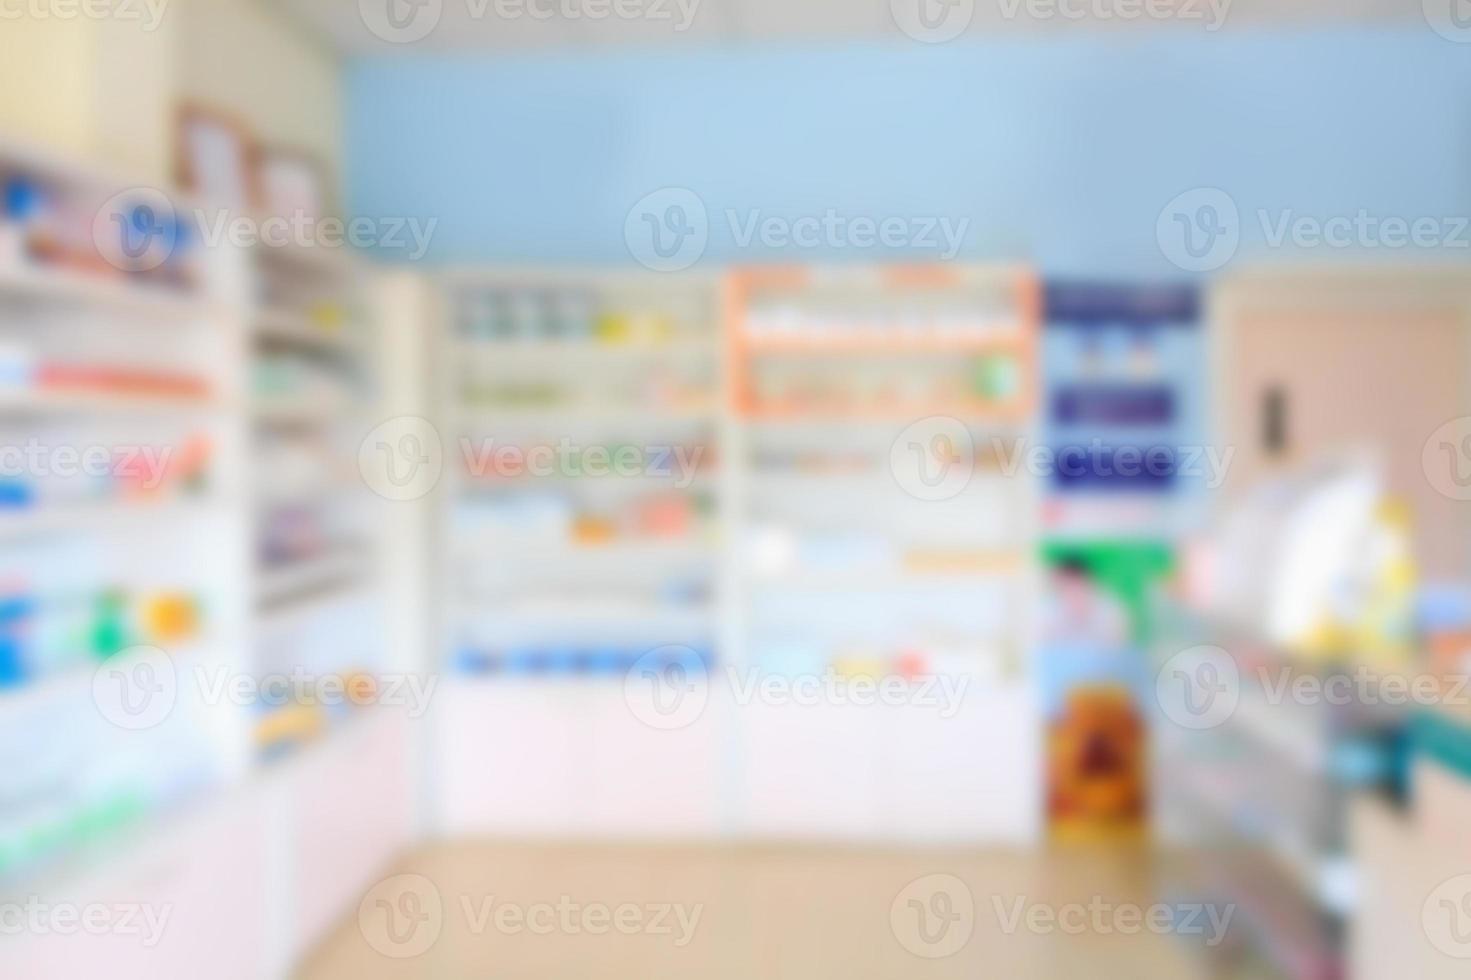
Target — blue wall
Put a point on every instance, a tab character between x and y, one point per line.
1060	151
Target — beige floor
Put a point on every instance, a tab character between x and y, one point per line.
764	912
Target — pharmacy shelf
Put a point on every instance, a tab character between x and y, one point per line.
69	552
575	354
490	418
602	482
317	379
107	294
287	326
897	581
864	343
73	401
201	811
76	681
323	491
826	368
299	411
609	327
611	553
532	596
99	517
867	414
556	616
302	586
281	583
297	610
850	326
318	262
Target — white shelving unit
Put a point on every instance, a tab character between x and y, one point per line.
577	367
99	562
554	582
320	599
314	392
843	571
537	703
164	815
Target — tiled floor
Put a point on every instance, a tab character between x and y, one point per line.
516	910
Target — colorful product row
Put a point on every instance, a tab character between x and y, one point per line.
285	723
654	390
552	517
66	474
40	637
26	846
20	372
41	226
498	460
558	315
596	661
790	383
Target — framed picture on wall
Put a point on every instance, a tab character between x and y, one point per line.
291	182
214	155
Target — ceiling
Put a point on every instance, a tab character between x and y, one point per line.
363	27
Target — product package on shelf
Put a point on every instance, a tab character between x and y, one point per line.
584	418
